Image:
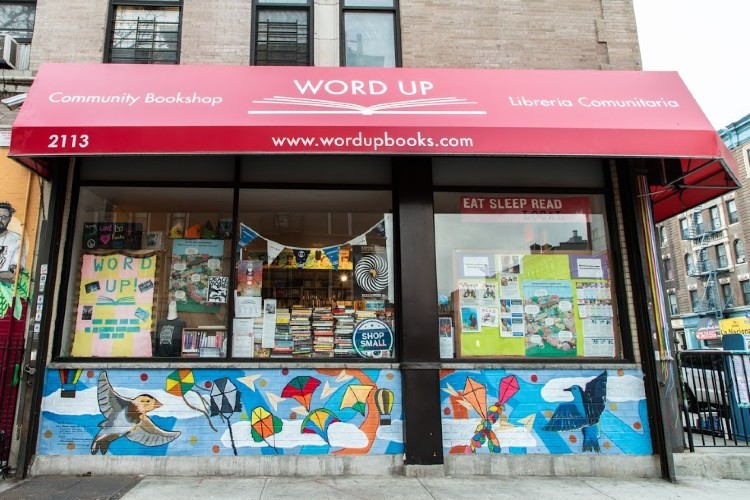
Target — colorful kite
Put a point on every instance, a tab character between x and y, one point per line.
225	401
384	402
355	397
318	421
301	388
179	383
508	387
476	395
264	425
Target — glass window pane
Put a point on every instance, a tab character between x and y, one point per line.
17	20
315	271
147	35
281	37
370	39
524	275
369	3
150	273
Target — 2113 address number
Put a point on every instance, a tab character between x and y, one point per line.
68	141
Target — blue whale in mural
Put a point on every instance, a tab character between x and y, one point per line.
583	412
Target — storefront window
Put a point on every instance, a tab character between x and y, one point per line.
155	275
524	275
314	275
149	274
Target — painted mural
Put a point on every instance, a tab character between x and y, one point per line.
544	411
206	412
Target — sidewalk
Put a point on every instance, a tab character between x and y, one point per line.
390	488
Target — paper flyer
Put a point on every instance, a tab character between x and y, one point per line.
550	322
193	262
269	323
248	307
242	338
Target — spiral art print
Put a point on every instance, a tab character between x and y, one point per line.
371	273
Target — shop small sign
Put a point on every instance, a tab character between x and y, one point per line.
373	338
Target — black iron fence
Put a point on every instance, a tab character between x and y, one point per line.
716	398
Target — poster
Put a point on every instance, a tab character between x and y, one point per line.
112	235
445	327
114	317
371	272
249	278
549	318
268	339
193	262
243	345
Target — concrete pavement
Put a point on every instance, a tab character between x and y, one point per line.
390	488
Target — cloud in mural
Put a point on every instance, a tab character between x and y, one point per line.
625	388
393	432
508	435
619	388
554	390
341	434
85	402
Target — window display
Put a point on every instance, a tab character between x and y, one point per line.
524	275
154	274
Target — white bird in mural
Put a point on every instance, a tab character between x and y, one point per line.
127	418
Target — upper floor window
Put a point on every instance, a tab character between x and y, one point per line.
732	212
727	295
689	264
370	33
721	255
17	24
663	236
694	300
673	308
684	229
282	35
715	217
745	285
739	251
698	221
668	269
146	32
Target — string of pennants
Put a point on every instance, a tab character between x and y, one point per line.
382	228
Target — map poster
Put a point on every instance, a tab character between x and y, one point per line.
194	261
549	318
115	306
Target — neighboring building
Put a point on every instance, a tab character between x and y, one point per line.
260	261
706	273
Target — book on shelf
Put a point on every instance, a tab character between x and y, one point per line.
204	342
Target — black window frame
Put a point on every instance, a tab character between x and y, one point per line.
395	9
695	302
668	269
726	295
684	228
308	7
112	19
715	215
722	258
739	251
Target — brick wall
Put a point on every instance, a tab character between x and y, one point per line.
216	32
548	34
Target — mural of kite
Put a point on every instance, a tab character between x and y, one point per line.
355	397
476	395
68	380
384	401
125	417
318	421
301	388
179	382
264	425
225	401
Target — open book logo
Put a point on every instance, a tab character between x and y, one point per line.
326	107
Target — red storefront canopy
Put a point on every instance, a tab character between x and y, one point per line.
79	110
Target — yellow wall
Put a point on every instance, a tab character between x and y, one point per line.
14	186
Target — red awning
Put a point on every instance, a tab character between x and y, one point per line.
108	109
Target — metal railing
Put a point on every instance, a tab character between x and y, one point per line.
716	398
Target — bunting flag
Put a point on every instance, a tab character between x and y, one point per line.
333	255
359	240
246	235
273	250
300	255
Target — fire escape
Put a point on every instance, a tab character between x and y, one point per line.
709	265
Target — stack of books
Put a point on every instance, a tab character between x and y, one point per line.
342	333
283	341
322	325
300	329
260	351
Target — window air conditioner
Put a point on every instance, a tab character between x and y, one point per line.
8	52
